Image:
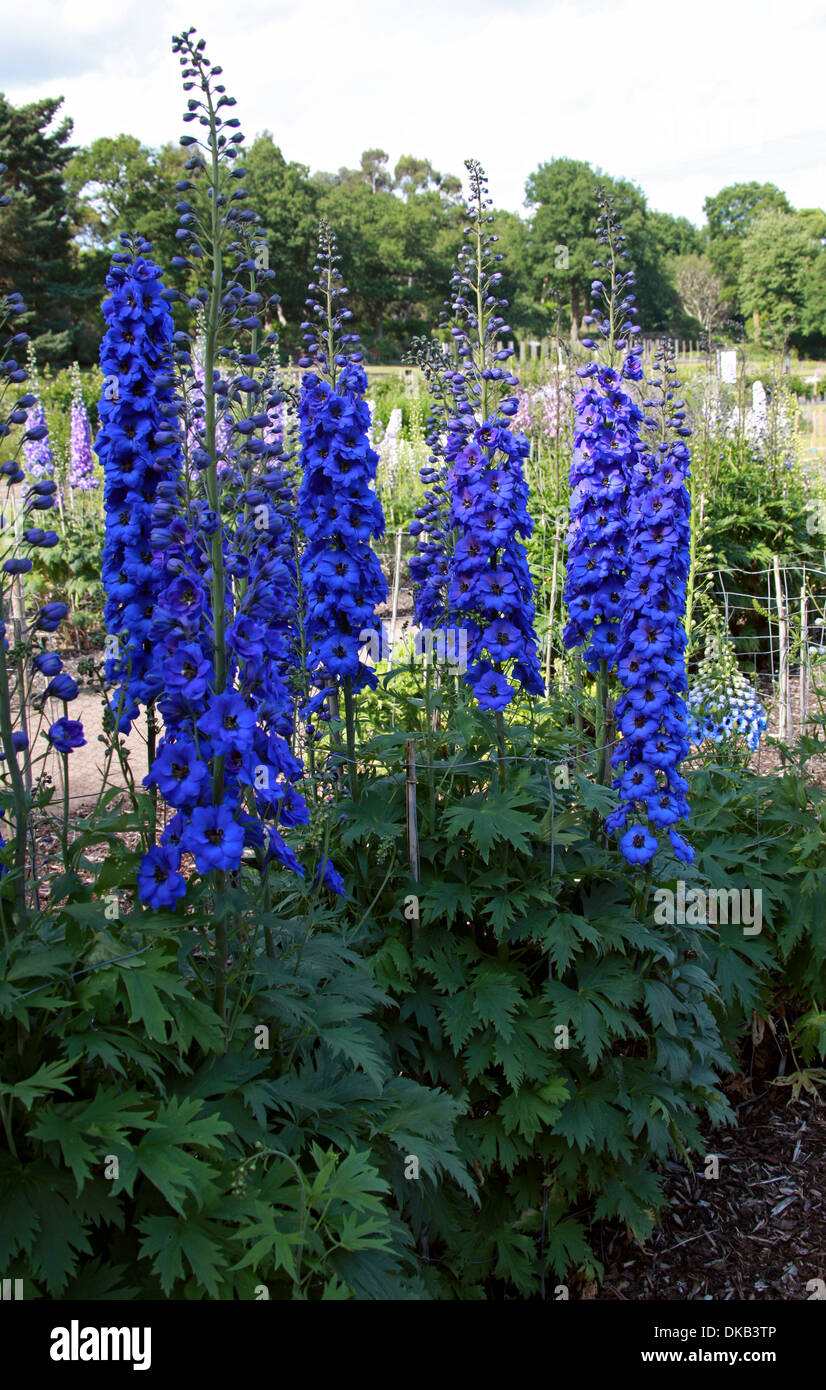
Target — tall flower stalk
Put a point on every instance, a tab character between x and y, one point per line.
222	630
629	544
81	474
138	448
475	512
606	450
651	716
20	637
338	508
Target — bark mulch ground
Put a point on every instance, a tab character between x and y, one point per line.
758	1231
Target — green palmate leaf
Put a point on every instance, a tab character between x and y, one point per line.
87	1130
51	1076
496	998
494	816
566	1248
369	816
19	1219
61	1239
164	1157
97	1280
39	962
354	1044
566	930
661	1002
528	1111
633	1195
147	979
459	1017
441	898
169	1240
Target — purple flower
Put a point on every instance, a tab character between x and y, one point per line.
37	450
81	463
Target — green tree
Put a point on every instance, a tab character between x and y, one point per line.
675	236
730	214
777	253
118	185
35	236
374	170
397	251
369	228
287	201
525	314
563	246
565	194
412	176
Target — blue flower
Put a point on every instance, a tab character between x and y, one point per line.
62	687
228	723
159	882
638	846
50	617
211	586
330	877
652	716
215	838
628	558
48	663
66	735
179	774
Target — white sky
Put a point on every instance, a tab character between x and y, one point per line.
682	98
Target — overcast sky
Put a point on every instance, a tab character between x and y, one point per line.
681	98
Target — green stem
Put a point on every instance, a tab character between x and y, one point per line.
5	1116
221	951
500	739
18	788
350	725
64	827
151	744
603	751
429	741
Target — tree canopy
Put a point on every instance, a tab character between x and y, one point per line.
399	229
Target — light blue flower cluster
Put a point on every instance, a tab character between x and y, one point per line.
723	705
